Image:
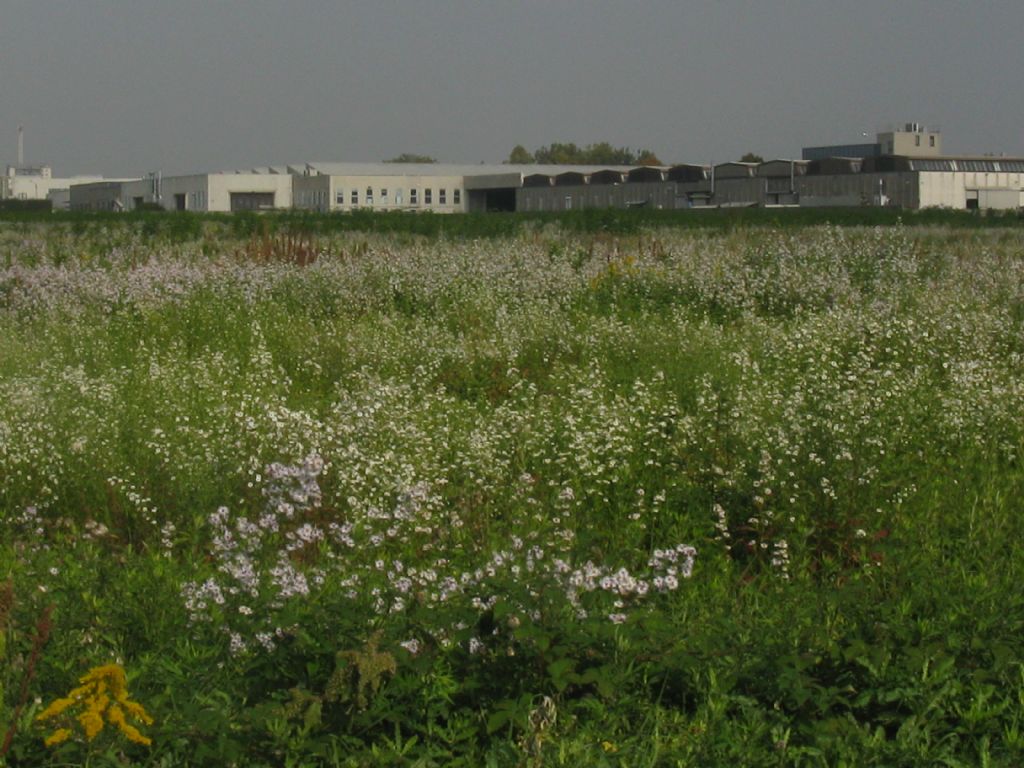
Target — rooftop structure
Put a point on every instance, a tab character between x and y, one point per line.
911	140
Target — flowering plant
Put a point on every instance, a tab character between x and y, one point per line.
100	699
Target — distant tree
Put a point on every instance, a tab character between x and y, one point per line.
647	157
520	156
600	153
557	154
750	157
409	157
604	153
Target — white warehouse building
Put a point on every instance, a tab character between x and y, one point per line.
201	192
39	183
328	187
381	187
435	187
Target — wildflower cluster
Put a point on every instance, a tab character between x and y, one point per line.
282	558
101	699
256	561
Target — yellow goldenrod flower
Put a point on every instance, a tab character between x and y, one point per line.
92	722
58	736
135	709
56	707
116	716
103	692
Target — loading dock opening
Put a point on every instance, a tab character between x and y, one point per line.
492	200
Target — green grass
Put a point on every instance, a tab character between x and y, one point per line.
187	226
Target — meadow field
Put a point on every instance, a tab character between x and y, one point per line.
722	496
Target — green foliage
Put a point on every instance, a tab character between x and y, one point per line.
6	609
601	153
520	155
16	205
360	673
410	157
447	436
751	157
102	232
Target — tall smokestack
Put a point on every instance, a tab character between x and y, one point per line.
21	146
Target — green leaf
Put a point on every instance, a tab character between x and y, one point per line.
560	668
498	720
312	717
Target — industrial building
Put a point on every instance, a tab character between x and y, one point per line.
37	182
197	192
386	187
345	187
912	140
443	188
903	168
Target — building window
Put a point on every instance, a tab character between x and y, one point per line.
917	141
369	195
398	197
383	195
412	197
355	197
457	195
568	202
340	197
931	141
428	196
442	196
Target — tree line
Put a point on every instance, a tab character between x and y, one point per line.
601	153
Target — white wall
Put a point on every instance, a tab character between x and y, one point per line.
196	190
949	189
399	195
39	187
212	191
221	185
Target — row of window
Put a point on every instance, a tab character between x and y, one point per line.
311	197
319	198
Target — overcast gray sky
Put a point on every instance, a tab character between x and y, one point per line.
125	87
